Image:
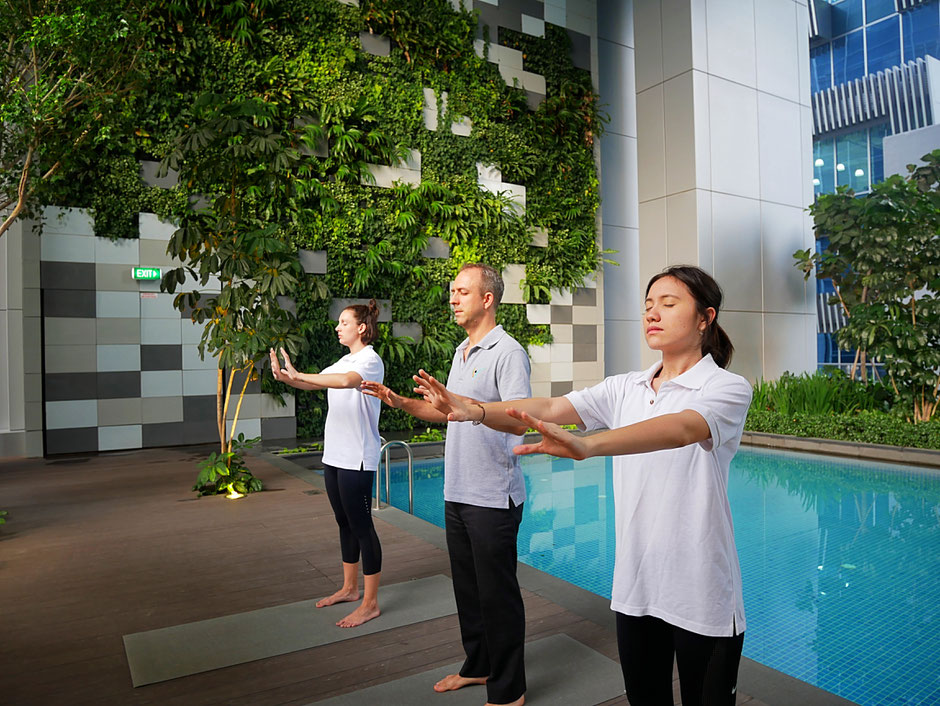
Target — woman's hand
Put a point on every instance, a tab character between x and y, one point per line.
555	440
439	397
377	389
286	374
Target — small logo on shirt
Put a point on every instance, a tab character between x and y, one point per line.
475	371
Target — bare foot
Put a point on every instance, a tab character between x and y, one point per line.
452	682
517	702
341	596
362	614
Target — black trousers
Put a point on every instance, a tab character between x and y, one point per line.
481	542
350	494
708	666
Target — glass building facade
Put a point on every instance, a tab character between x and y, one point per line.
864	37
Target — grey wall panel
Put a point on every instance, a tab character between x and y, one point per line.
561	314
562	387
197	409
118	331
67	275
71	386
159	410
119	411
584	296
202	431
64	441
168	357
120	384
169	434
67	331
279	428
69	303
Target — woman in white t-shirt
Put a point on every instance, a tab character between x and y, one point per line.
350	453
674	429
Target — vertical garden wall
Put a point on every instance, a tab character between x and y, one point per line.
364	152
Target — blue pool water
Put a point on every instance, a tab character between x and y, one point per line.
840	560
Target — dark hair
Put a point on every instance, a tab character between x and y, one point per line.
367	314
707	293
492	280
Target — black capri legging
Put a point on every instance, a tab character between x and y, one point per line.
708	666
350	494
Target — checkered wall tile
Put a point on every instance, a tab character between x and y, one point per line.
121	365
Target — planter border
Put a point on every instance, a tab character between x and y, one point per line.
925	458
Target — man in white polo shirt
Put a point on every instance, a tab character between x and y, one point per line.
483	491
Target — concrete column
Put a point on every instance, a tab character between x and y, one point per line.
724	153
20	343
623	338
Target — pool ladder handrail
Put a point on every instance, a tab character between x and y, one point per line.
384	453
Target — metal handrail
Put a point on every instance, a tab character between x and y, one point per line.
388	485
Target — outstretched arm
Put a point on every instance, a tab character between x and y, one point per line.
310	381
414	407
668	431
493	414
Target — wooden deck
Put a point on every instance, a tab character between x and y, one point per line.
99	547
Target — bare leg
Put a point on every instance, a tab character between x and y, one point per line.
370	604
350	589
452	682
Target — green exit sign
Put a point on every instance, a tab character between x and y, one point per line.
145	272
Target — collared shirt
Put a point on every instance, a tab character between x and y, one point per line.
351	435
480	467
675	557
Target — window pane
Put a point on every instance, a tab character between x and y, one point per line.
846	16
884	45
820	68
824	180
848	58
922	32
877	135
876	9
852	161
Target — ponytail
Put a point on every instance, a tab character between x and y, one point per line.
707	294
367	314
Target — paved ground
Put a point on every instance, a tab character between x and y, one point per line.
99	547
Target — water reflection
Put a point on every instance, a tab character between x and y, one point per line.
841	566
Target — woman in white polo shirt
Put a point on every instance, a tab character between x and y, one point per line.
674	429
350	453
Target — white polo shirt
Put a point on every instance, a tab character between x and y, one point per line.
675	557
351	435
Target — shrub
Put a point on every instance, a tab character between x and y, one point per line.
864	426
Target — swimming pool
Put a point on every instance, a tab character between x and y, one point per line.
840	560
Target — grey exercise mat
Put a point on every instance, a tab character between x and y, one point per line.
560	671
167	653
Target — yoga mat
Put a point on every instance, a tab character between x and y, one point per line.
560	671
181	650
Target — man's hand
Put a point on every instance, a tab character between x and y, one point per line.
377	389
555	440
439	397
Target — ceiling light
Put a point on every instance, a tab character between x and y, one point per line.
819	162
840	167
815	182
859	172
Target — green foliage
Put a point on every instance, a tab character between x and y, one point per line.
308	448
865	427
829	392
226	472
884	260
66	70
270	114
429	434
3	517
